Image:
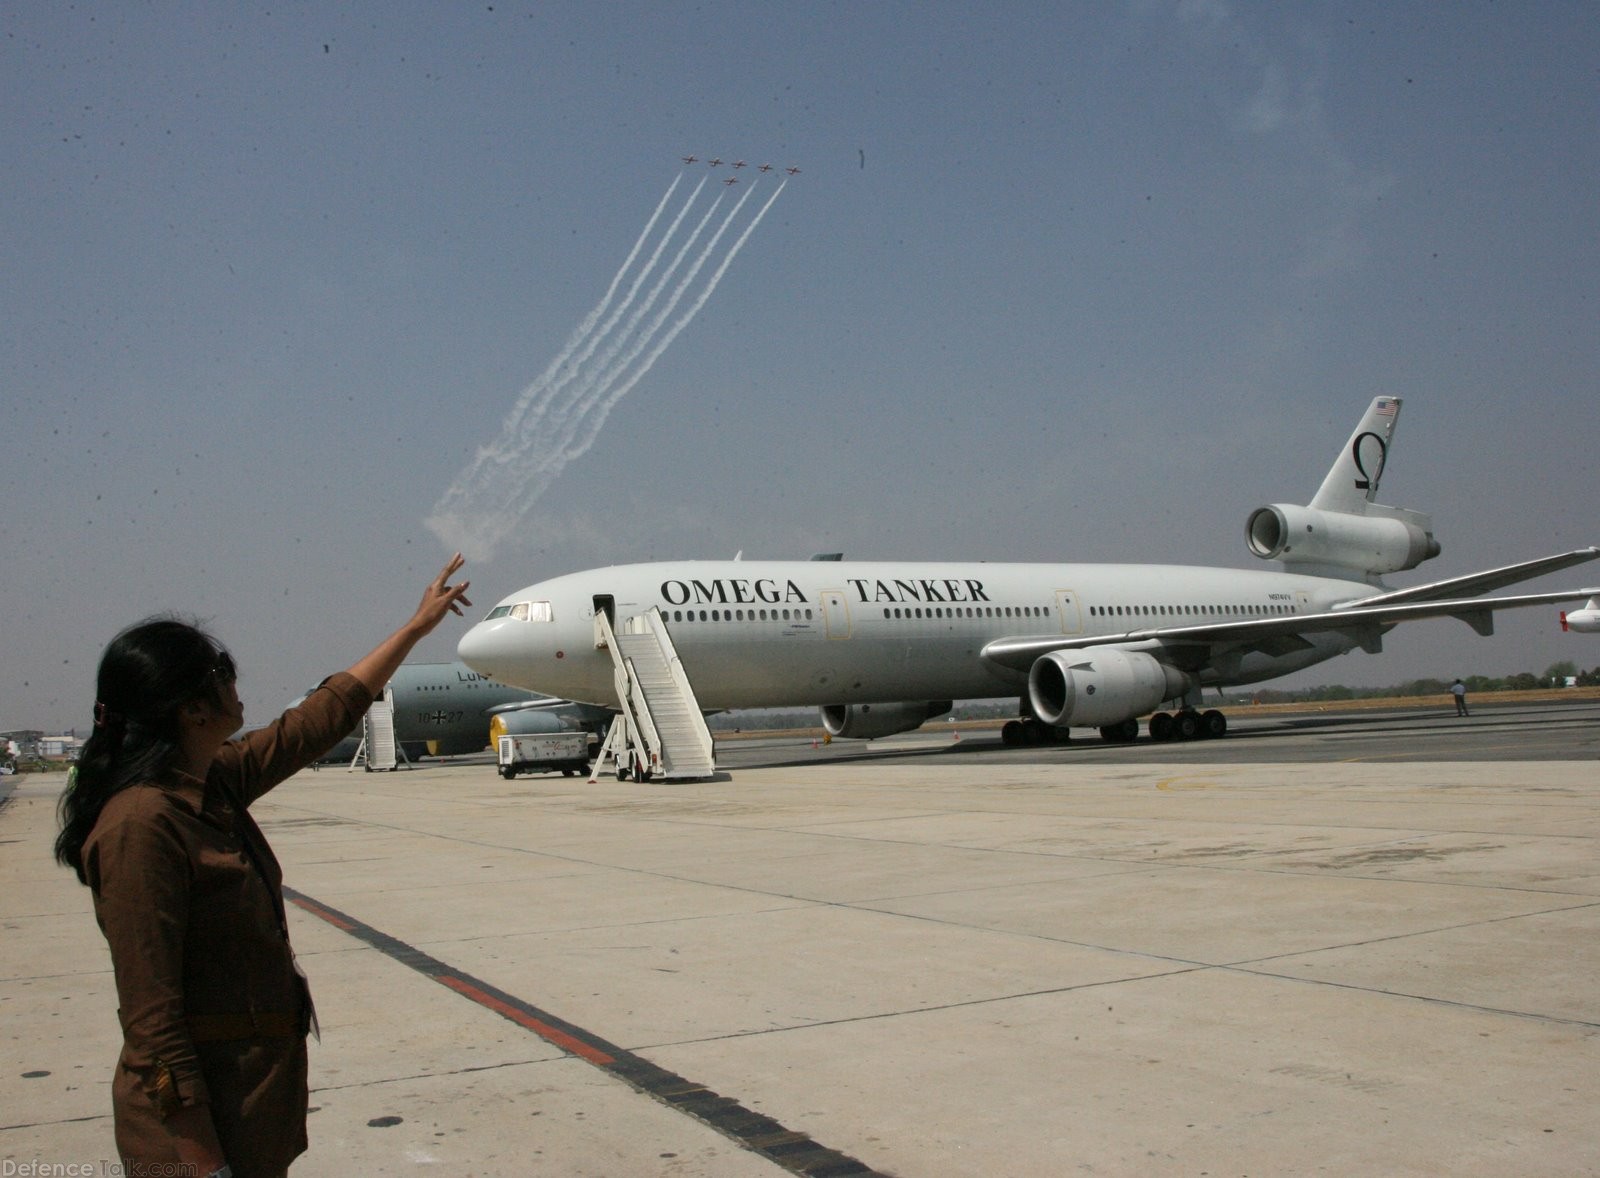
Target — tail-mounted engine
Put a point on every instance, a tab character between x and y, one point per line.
1345	530
1371	544
870	721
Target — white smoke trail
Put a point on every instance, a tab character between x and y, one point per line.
595	387
575	394
582	359
535	398
541	456
598	417
577	400
451	513
534	391
545	457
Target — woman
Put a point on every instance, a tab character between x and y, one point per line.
214	1009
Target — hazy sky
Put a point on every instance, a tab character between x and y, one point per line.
1058	281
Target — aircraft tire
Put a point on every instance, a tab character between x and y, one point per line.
1161	726
1213	724
1186	725
507	772
1011	733
1124	732
1036	732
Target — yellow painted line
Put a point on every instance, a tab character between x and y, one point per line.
1174	784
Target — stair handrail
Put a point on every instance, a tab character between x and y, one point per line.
656	625
634	709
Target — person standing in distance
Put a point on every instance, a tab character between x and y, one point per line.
1458	689
155	820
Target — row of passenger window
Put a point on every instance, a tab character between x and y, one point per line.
899	612
539	611
967	611
1190	611
741	615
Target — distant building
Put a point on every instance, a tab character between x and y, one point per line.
32	744
54	748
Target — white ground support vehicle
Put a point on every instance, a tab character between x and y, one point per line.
544	752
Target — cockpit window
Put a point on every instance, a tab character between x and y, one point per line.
522	611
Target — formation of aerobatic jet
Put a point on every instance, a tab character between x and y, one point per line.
717	161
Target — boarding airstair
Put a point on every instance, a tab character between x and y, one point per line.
659	731
379	750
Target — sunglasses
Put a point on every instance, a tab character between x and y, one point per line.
224	672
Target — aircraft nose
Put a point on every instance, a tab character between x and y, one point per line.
485	650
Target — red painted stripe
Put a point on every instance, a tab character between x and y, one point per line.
323	914
523	1019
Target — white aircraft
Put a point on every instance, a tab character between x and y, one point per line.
1585	620
446	709
883	647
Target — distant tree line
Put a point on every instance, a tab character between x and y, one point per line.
1555	675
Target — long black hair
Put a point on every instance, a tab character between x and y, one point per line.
148	672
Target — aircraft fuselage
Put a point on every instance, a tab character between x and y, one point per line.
800	633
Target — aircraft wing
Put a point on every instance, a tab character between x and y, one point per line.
1192	646
586	713
1483	582
525	705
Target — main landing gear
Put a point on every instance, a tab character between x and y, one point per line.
1188	724
1184	724
1030	731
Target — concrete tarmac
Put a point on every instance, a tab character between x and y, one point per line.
997	962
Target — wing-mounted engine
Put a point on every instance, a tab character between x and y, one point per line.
1100	687
1370	544
870	721
524	722
1344	530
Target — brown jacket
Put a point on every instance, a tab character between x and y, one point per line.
189	896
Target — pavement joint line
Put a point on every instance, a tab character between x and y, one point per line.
795	1152
1425	999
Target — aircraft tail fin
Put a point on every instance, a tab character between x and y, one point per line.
1352	483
